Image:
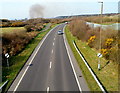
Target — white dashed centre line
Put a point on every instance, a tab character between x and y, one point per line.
53	43
50	65
48	89
52	51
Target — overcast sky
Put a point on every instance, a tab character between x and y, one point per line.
19	9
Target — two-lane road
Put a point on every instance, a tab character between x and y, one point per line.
50	68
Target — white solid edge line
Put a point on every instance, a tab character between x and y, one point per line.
48	89
90	70
3	85
32	59
72	64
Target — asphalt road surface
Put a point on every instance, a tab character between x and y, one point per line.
49	68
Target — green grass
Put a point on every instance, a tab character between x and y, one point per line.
107	75
2	83
12	30
107	23
20	59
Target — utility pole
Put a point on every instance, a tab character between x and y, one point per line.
99	54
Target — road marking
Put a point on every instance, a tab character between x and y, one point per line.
54	38
32	60
94	76
50	64
53	43
52	51
3	85
72	64
48	89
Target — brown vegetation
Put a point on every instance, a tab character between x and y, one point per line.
15	41
17	24
57	21
105	19
109	42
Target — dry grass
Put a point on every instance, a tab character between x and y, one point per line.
108	74
14	40
79	29
105	19
11	30
90	35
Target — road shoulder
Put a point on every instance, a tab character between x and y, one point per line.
78	71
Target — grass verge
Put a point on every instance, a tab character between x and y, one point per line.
12	30
107	23
2	83
108	75
20	59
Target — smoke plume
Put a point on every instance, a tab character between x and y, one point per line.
36	11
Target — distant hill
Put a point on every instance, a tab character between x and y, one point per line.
86	15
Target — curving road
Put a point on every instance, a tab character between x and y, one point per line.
50	67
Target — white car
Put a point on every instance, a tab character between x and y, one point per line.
60	32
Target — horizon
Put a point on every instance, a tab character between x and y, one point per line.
63	16
9	10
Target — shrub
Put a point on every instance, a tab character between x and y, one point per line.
109	42
113	55
91	40
18	24
4	20
5	24
108	39
105	53
79	29
14	43
105	19
29	28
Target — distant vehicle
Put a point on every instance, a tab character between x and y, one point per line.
60	32
67	22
